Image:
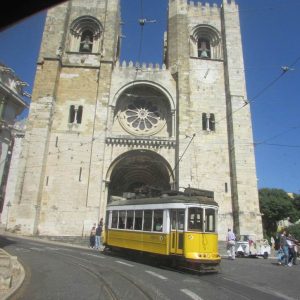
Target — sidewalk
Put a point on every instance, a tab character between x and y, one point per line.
12	274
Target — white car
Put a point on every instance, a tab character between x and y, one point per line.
249	246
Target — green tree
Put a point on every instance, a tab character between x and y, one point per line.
295	231
297	201
276	205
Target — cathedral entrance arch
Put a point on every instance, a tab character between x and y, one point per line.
138	168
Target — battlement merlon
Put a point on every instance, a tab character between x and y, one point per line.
229	5
204	9
182	6
146	67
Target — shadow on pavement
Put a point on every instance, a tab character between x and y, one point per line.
4	241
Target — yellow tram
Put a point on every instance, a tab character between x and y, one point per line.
180	227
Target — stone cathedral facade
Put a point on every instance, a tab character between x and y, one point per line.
99	127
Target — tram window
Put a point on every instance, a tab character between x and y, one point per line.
210	220
129	221
158	220
107	219
114	222
173	219
195	219
138	218
180	219
147	220
122	217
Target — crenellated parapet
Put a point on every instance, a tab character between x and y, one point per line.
207	9
204	9
229	5
150	67
229	2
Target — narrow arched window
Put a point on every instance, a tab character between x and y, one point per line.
204	48
79	114
204	123
208	122
212	126
72	114
86	41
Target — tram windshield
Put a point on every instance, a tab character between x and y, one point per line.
196	221
210	220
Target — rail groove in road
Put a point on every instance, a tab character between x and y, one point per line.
144	294
106	287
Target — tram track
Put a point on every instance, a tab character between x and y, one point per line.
106	285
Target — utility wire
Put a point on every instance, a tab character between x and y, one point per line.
277	135
141	32
282	145
178	161
284	69
263	90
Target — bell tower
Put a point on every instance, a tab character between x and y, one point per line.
214	131
79	48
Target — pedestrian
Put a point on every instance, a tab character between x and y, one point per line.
230	239
98	234
296	248
92	236
293	250
277	241
283	248
272	242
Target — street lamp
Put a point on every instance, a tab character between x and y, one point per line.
8	206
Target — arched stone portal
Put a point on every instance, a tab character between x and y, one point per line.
138	168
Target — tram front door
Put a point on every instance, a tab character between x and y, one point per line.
177	227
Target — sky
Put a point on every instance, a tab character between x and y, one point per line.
271	44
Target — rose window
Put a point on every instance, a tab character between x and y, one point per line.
141	116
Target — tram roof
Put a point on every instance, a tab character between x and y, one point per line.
165	200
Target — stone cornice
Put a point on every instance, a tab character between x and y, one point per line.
136	141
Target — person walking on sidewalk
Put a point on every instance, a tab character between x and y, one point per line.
230	239
98	234
285	248
92	236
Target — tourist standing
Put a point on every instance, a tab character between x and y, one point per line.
230	239
98	234
92	236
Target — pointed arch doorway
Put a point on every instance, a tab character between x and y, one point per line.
138	168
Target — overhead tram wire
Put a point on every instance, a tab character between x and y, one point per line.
141	32
188	145
282	145
277	135
142	21
284	69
